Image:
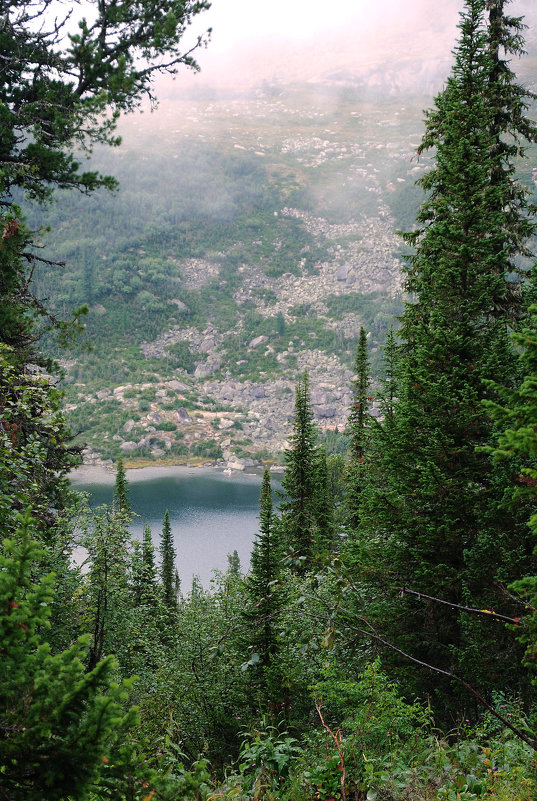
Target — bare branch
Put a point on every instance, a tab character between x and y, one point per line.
515	621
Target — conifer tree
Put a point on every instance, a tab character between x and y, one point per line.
121	491
265	599
167	564
234	563
106	583
323	504
143	570
148	555
517	415
439	510
299	482
389	380
358	433
60	725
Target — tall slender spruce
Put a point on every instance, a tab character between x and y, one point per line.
121	491
447	534
299	482
265	600
167	564
358	432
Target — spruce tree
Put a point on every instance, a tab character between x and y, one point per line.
265	600
323	504
148	556
299	482
121	491
516	413
357	427
167	564
144	570
234	564
444	532
106	584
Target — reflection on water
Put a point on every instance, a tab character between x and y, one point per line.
211	514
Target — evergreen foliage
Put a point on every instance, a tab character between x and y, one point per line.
358	424
105	586
297	522
440	501
323	504
60	724
312	714
517	415
34	452
265	600
148	558
167	565
234	563
121	492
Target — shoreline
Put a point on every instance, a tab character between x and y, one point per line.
105	474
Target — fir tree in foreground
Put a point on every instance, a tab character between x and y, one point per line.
61	725
436	502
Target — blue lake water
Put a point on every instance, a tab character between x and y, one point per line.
211	514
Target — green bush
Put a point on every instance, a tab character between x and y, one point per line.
207	449
166	425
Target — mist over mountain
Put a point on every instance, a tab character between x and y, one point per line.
387	47
253	234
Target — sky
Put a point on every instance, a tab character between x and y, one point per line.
237	22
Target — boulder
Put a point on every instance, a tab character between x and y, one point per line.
177	386
224	424
128	446
181	416
258	341
211	365
180	305
325	412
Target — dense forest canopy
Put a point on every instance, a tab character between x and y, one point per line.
382	643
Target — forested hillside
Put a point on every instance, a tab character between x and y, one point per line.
251	238
382	643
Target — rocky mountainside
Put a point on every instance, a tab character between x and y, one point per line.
253	235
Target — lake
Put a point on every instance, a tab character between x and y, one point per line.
211	514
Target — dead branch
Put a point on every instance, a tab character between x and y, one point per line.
515	621
337	740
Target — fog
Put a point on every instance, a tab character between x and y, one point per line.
309	40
